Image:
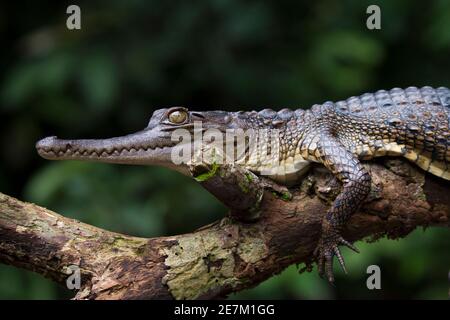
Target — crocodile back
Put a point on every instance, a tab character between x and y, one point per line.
413	123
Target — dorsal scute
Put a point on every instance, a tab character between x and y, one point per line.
299	113
444	95
318	108
285	114
267	113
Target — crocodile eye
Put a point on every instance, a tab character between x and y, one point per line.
178	116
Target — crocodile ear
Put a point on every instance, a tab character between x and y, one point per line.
197	115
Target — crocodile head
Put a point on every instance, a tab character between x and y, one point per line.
151	146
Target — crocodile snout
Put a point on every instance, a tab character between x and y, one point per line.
46	142
47	147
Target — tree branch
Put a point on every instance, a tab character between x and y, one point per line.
223	257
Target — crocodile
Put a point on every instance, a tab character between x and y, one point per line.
412	123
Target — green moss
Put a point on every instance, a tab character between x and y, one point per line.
244	187
422	196
207	175
286	196
246	184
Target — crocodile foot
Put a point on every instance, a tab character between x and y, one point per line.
327	248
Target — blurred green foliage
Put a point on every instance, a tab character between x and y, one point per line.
132	57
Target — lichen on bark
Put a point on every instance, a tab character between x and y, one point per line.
227	256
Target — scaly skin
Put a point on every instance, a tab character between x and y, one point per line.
413	123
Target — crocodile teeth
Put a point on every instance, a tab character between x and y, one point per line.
69	149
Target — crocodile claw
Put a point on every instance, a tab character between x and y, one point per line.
326	250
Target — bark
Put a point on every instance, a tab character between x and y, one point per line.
226	256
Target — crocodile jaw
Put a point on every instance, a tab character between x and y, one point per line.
141	148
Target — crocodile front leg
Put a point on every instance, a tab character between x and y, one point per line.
356	186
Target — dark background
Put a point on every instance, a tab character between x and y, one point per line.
132	57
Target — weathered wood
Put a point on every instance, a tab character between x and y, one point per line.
221	258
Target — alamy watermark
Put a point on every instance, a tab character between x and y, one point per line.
73	21
373	22
252	147
374	280
73	281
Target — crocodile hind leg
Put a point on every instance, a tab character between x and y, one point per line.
356	186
